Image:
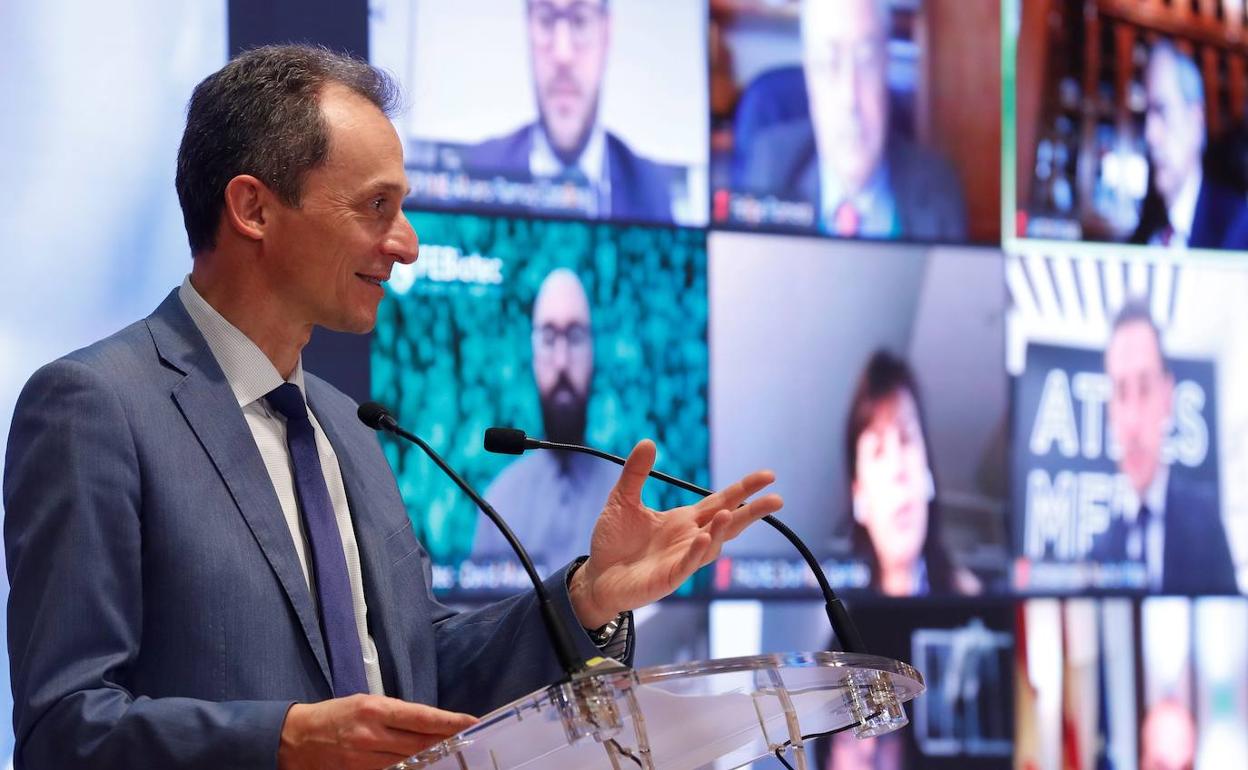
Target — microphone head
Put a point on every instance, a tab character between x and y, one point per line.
505	441
375	416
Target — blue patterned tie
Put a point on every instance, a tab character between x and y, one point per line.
329	563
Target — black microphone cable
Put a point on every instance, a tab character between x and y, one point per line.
377	417
513	441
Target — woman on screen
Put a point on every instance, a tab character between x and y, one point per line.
896	517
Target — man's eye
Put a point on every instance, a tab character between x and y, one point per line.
379	203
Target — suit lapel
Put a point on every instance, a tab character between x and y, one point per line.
806	178
363	481
621	188
210	408
1201	235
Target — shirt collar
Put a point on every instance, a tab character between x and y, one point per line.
1182	214
1154	496
873	202
249	372
544	163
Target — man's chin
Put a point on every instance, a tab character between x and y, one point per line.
854	175
564	423
1167	186
1140	478
567	148
567	135
356	325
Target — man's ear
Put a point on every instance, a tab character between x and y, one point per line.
248	203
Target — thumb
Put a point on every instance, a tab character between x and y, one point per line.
636	469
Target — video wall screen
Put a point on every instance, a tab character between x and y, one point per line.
769	233
965	651
857	118
1130	123
570	331
591	109
1161	683
671	632
1129	430
869	377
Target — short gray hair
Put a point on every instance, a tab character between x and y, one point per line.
883	8
260	114
1186	71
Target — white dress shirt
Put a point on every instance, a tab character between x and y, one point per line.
874	203
592	164
251	375
1182	214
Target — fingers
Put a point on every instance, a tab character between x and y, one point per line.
718	524
704	548
362	731
694	557
736	493
427	720
751	512
636	470
392	726
371	759
724	524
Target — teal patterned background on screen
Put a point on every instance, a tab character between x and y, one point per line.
452	354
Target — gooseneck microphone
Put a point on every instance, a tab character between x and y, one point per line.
515	442
377	417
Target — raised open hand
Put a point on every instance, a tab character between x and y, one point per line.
638	555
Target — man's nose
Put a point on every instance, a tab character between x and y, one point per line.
560	355
844	77
402	243
561	42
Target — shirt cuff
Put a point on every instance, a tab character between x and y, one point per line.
620	645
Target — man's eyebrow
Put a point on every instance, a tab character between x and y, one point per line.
403	190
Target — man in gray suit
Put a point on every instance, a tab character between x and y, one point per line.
863	178
211	566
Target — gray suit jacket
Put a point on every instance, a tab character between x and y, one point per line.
158	616
784	161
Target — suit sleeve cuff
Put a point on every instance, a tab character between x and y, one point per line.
557	588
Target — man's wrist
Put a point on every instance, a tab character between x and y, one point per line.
291	737
580	591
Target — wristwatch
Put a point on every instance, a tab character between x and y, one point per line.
605	633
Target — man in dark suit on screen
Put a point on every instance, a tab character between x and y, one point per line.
1184	206
569	41
863	177
1172	523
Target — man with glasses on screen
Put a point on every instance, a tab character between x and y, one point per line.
569	43
1184	206
863	177
1170	522
210	562
550	497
